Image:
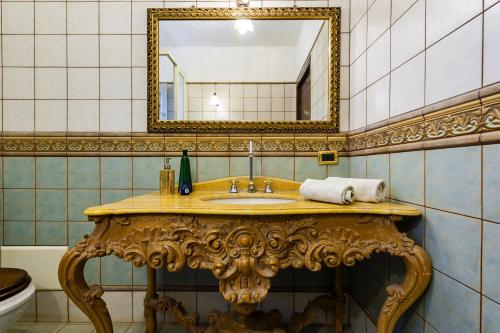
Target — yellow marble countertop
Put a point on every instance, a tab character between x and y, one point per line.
199	202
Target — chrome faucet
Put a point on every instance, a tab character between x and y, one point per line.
251	184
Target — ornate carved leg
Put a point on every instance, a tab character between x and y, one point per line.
149	310
402	296
88	299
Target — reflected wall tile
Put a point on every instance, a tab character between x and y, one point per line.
51	233
51	205
115	271
120	306
19	172
407	177
76	231
453	180
79	200
83	172
450	306
280	167
308	167
116	172
19	205
491	183
19	232
491	67
491	316
51	172
491	260
454	244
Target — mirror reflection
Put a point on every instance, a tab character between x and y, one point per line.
252	70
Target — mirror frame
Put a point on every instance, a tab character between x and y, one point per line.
155	125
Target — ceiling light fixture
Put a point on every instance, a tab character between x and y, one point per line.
214	100
243	26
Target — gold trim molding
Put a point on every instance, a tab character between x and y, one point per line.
155	125
472	120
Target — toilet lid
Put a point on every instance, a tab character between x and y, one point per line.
12	281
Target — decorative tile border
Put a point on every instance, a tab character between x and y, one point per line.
480	116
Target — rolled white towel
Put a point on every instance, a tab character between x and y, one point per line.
367	190
321	190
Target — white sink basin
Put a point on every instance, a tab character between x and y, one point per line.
251	201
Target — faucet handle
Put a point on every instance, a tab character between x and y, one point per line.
234	186
268	188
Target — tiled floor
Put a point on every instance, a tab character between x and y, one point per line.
87	328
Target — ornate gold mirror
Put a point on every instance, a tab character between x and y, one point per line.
243	70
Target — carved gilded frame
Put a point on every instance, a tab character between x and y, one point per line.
154	15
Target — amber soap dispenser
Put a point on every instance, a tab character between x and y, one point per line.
167	178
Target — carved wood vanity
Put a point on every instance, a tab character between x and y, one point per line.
244	246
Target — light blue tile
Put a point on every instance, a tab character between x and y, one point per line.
450	306
140	276
280	167
240	166
339	170
51	172
137	193
147	172
77	230
92	271
116	172
83	172
109	196
51	233
19	232
453	180
377	167
185	277
407	177
308	167
410	322
19	172
212	168
357	167
375	295
491	183
51	205
430	329
454	245
491	316
19	205
79	200
1	172
115	271
491	260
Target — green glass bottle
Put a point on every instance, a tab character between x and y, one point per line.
185	184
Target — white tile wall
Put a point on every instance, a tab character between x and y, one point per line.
454	65
491	69
434	48
379	19
443	16
408	35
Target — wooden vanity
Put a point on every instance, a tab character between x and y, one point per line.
244	245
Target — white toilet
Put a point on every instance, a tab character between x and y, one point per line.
16	290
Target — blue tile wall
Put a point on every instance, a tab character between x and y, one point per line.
454	244
51	172
491	319
407	177
83	172
19	172
491	261
145	172
453	180
357	167
451	306
377	166
491	181
116	172
308	167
